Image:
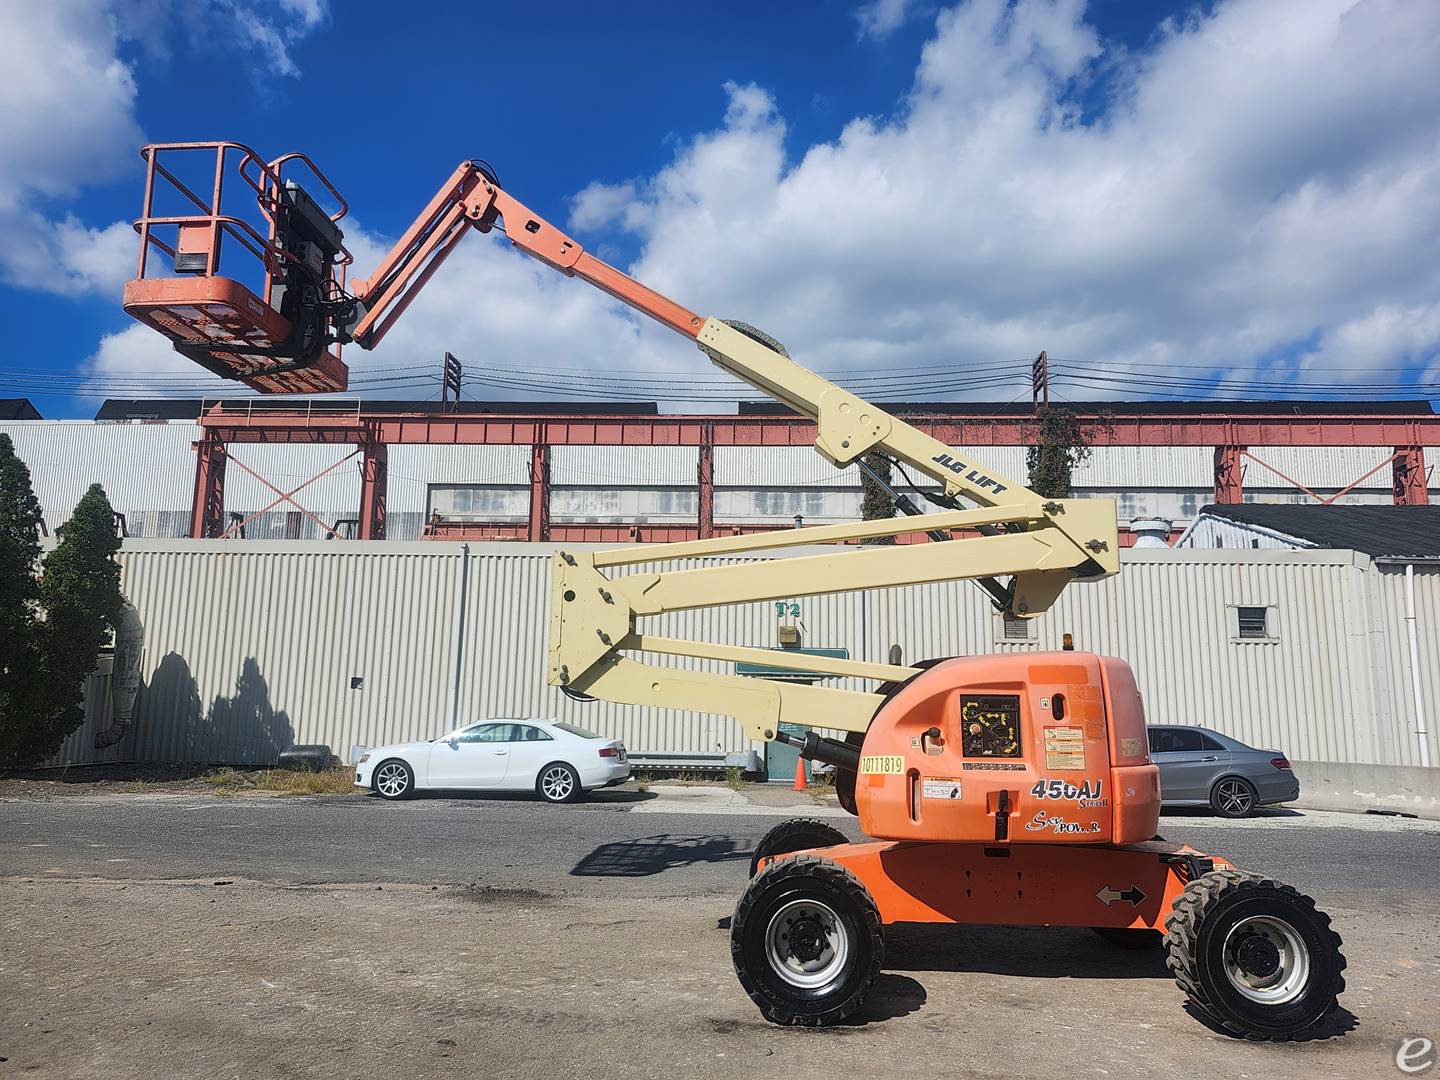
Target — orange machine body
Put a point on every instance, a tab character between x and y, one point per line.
1040	748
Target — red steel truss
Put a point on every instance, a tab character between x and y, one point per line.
1229	435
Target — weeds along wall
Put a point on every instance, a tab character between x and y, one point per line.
254	647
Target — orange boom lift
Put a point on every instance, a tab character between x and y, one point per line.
1012	789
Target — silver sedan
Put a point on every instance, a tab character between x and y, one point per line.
1201	767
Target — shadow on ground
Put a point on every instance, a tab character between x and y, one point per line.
890	997
646	856
1057	952
1205	812
594	798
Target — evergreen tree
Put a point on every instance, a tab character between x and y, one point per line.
51	630
19	554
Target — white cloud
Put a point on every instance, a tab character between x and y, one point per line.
67	118
310	12
138	362
68	108
496	308
271	33
1261	180
879	19
491	306
599	204
1262	176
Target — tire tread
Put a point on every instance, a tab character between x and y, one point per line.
846	882
771	844
1182	927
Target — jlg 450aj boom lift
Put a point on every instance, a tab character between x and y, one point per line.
1011	789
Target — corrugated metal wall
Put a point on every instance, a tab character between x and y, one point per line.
251	648
1393	690
624	466
143	467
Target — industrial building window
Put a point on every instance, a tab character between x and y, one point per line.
1252	622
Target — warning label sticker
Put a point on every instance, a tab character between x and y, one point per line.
940	787
1064	748
892	764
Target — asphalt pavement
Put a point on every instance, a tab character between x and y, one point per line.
183	934
667	842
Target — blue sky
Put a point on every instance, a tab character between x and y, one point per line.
1241	194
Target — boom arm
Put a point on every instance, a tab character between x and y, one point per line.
1042	544
849	427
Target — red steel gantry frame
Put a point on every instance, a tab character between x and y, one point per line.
373	433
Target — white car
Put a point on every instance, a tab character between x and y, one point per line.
557	761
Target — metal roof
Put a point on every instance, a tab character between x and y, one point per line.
191	408
1378	531
978	410
18	409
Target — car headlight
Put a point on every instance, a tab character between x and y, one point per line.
363	758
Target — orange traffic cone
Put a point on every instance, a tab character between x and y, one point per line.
800	774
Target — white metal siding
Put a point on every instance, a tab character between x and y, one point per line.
624	466
1109	467
1213	533
252	647
1323	468
142	467
1394	690
413	468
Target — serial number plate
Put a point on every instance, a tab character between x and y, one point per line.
887	764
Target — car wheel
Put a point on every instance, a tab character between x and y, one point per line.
797	834
1233	797
394	779
1254	955
806	941
558	783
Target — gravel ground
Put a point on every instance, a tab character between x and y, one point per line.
185	935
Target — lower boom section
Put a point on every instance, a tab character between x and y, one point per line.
808	936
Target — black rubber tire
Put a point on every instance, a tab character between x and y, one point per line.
797	834
1131	937
576	791
1219	804
807	877
1196	930
306	759
409	780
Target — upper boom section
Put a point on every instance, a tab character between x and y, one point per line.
281	339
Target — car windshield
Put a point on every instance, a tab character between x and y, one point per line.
574	729
463	732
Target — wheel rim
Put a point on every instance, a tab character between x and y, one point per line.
1266	960
1235	797
392	779
557	783
806	944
